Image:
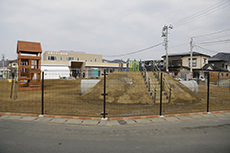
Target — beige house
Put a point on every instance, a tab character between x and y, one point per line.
179	64
180	60
78	65
65	56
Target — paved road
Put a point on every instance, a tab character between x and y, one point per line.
210	133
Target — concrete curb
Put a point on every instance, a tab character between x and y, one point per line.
113	118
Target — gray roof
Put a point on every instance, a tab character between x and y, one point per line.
185	54
220	57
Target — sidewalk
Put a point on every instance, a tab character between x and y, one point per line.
86	121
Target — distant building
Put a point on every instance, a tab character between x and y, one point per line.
179	64
220	61
5	68
64	64
183	60
65	56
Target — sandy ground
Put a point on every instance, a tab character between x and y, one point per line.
62	97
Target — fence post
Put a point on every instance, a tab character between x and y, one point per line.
170	92
229	85
161	97
148	84
158	76
42	109
104	94
208	92
12	87
155	94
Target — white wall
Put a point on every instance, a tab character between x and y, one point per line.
56	71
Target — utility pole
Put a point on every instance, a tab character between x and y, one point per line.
191	47
165	34
3	60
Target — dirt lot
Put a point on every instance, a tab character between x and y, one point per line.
62	97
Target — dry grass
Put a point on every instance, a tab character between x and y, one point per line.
62	97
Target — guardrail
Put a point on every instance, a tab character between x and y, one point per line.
167	88
150	85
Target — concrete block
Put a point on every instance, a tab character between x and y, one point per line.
184	118
41	119
112	123
14	117
161	119
28	118
90	122
59	120
130	122
74	121
103	122
4	116
143	121
171	119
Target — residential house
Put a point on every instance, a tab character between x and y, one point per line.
220	61
179	64
221	67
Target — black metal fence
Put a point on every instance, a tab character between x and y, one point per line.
117	94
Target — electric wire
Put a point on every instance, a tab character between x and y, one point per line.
135	52
217	41
204	12
210	50
213	33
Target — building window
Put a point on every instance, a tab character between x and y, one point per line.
78	58
175	63
222	74
205	60
69	58
52	58
85	60
193	62
90	60
61	58
95	60
226	74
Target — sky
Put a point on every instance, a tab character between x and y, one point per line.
116	27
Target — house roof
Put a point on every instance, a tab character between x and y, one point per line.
214	68
29	47
185	54
206	66
220	57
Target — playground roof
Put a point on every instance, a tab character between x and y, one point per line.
29	47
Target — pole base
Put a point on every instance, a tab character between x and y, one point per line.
104	119
40	115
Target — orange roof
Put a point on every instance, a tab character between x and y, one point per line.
29	47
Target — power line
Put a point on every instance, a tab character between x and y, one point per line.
210	50
204	12
217	41
135	52
214	37
213	33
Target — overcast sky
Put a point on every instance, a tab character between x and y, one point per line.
113	27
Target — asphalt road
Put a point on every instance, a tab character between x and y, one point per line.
211	135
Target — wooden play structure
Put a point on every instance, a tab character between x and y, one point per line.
29	65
